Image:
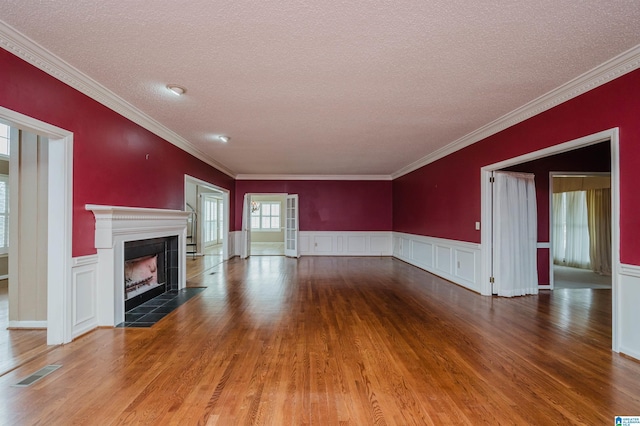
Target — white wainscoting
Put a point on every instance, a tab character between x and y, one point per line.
231	245
84	275
456	261
334	243
628	309
345	243
235	242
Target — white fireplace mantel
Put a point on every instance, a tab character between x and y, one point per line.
114	226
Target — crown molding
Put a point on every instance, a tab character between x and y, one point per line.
312	177
616	67
30	51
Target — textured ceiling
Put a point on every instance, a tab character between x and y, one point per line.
328	87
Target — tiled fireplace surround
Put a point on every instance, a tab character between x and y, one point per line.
116	225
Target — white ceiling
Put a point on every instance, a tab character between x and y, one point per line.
328	87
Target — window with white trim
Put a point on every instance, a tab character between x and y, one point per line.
4	140
4	214
266	217
212	220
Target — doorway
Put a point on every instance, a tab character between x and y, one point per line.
267	224
580	230
288	215
610	136
207	224
57	216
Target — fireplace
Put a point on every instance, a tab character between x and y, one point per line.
150	269
141	254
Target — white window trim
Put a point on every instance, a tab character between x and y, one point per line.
279	228
5	250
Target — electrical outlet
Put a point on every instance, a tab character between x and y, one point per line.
477	226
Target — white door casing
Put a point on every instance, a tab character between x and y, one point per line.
611	135
59	222
225	210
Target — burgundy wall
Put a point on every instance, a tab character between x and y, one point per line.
442	199
329	205
109	151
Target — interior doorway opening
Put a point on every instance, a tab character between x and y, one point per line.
208	223
289	217
267	224
610	136
580	230
57	216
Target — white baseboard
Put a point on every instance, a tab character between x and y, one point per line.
456	261
345	243
28	324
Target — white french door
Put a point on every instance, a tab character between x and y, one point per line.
245	246
291	227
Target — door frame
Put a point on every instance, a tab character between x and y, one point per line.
225	208
59	222
611	135
246	233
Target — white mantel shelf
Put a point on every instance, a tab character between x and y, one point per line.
112	221
114	226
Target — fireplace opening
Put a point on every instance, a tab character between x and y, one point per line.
150	269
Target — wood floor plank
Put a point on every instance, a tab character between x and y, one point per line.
17	346
344	341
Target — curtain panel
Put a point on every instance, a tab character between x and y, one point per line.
515	234
570	230
599	224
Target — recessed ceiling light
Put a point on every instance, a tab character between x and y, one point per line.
176	90
224	139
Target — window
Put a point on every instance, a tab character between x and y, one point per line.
266	217
212	220
4	140
4	214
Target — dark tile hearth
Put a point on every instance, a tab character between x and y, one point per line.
152	311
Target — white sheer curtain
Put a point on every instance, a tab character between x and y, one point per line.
515	235
571	230
559	228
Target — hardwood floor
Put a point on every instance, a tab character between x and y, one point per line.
267	249
200	265
17	346
338	341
